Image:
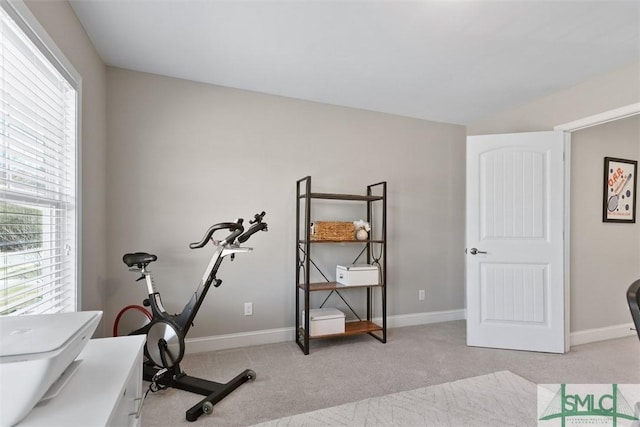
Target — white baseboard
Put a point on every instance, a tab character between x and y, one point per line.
242	339
415	319
271	336
602	334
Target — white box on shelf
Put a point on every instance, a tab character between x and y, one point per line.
325	321
357	274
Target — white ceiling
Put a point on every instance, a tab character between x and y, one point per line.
447	60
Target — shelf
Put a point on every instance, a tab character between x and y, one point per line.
341	241
332	286
361	327
333	196
372	251
351	328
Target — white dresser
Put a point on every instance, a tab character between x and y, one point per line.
104	391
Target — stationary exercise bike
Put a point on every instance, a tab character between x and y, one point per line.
165	345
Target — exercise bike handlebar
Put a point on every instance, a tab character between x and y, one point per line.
235	227
254	229
258	225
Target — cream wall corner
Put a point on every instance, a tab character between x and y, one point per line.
602	93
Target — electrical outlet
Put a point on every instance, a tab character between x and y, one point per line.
248	309
421	294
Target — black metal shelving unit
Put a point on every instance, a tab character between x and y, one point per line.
374	252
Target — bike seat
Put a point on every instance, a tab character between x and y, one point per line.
138	259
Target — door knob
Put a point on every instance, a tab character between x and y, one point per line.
474	251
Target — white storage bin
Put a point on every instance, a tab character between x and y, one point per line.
325	321
357	274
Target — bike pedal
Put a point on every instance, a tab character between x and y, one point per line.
158	374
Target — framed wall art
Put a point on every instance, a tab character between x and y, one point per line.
620	188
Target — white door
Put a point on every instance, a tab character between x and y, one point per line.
515	285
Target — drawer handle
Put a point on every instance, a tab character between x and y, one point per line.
141	400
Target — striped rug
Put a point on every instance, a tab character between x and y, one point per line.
498	399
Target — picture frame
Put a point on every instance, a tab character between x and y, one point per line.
619	190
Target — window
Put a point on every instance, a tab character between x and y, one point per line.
38	158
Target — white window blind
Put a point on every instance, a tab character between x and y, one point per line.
38	122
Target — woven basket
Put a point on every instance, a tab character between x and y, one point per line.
333	230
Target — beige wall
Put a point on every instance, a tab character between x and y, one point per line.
599	277
606	92
605	257
185	155
59	21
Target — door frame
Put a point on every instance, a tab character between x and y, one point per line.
569	127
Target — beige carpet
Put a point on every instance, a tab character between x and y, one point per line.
356	368
498	399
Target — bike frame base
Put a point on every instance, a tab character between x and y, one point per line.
213	391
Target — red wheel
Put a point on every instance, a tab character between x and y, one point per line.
131	319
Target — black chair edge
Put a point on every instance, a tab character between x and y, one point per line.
633	295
